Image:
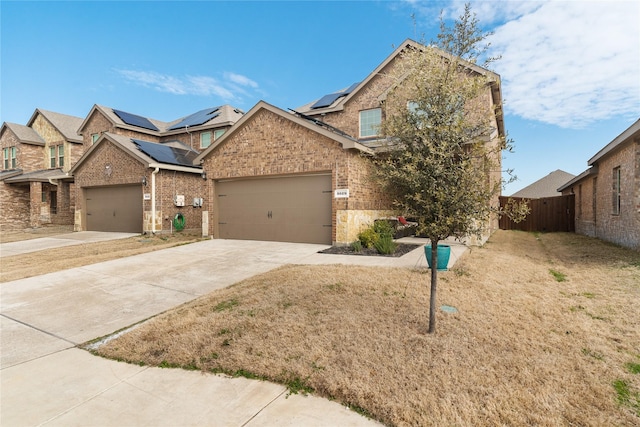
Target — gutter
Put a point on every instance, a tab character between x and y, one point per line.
175	168
153	200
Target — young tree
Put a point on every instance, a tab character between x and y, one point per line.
442	163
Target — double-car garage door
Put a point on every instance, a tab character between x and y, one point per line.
286	209
114	208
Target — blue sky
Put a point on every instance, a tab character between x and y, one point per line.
570	69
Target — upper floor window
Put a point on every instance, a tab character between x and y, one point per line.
61	155
56	156
370	122
9	157
617	179
94	137
218	133
205	139
52	156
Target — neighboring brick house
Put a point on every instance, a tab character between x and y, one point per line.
312	163
607	195
35	187
123	184
134	146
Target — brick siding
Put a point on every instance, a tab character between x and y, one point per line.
271	145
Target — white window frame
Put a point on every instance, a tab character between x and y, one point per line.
5	156
61	155
204	144
368	125
94	138
217	133
53	153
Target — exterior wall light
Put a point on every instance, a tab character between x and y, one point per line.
144	181
204	175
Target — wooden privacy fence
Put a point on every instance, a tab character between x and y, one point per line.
548	214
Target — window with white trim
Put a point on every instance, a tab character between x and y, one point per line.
205	139
52	156
617	179
370	122
94	138
61	155
218	133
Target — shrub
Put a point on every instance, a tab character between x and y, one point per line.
368	237
356	246
385	244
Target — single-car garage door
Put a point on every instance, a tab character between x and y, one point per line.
291	209
114	208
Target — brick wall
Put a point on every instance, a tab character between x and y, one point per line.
14	208
624	228
169	184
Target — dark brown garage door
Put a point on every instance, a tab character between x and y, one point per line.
292	209
114	208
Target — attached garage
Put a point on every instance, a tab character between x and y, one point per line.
287	209
117	208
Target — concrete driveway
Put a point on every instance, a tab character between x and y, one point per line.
47	381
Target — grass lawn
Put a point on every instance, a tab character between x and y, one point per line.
547	333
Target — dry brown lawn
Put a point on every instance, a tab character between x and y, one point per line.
547	333
51	260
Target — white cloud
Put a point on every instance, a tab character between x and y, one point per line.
571	63
230	88
240	80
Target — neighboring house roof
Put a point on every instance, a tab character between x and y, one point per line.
337	100
170	156
45	175
215	117
65	124
25	134
627	135
4	174
583	175
545	187
311	124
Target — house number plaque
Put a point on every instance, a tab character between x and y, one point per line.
341	193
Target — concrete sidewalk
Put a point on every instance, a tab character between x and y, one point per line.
46	380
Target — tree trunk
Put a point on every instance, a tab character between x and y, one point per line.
434	284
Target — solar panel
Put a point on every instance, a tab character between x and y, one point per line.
197	119
166	154
133	120
327	100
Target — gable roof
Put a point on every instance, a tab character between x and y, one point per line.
313	125
545	187
225	115
65	124
147	153
631	132
25	134
340	101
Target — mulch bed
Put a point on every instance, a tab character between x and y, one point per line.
402	249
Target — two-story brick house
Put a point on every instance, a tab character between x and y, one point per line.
303	176
607	195
35	187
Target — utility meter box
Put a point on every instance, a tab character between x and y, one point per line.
197	202
179	200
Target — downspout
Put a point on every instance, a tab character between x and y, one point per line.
153	200
53	183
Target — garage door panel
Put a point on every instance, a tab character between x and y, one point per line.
292	209
116	209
